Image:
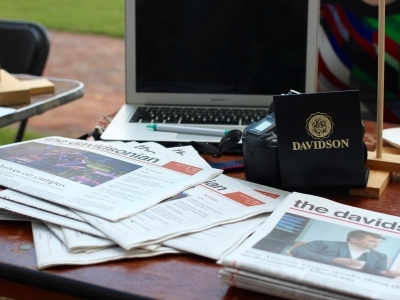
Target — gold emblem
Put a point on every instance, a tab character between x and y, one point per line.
319	125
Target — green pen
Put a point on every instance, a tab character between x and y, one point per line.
188	129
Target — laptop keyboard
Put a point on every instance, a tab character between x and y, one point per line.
197	115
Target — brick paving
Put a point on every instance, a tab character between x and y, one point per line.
98	62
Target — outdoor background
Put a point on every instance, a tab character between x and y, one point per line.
86	44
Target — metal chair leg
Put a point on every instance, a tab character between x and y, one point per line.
21	130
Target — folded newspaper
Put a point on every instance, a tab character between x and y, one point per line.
219	201
111	181
216	241
50	251
243	203
314	248
211	243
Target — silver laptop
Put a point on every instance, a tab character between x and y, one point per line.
212	64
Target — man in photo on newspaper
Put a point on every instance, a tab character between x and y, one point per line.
358	253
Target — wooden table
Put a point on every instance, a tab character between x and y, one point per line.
183	276
66	90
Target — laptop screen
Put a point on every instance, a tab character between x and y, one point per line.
234	52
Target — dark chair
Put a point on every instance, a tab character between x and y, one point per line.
24	48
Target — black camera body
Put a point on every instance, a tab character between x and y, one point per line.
260	152
321	155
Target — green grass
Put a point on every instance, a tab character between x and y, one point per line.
8	134
87	16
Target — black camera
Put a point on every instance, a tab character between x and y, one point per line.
333	163
260	152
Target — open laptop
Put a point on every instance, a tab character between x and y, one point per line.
188	59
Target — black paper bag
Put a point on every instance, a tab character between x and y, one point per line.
320	140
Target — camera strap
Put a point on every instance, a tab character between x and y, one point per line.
228	141
228	165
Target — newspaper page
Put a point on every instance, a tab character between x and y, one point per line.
211	243
40	204
43	205
6	215
39	214
216	241
77	241
277	287
188	152
50	251
111	181
215	202
323	244
79	244
56	230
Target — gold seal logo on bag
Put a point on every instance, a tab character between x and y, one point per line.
319	126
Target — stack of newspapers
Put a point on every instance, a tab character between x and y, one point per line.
314	248
92	202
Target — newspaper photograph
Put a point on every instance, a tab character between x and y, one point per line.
112	181
324	244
